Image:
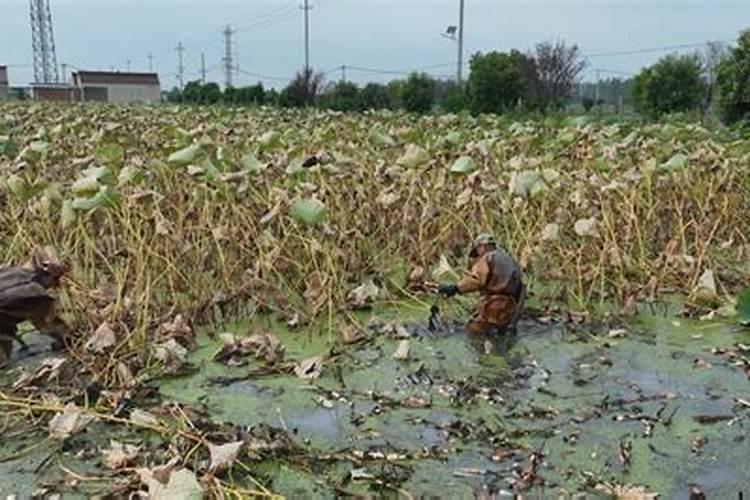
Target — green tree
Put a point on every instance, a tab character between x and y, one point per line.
497	82
211	93
192	92
418	93
733	81
343	96
375	96
673	84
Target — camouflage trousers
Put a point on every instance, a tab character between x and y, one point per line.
494	313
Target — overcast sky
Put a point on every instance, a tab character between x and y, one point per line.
378	34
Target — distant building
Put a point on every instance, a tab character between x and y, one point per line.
60	92
3	83
116	87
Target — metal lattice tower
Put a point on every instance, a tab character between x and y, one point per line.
43	42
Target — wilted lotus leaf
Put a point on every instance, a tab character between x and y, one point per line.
172	354
269	140
388	198
250	163
381	139
316	296
179	329
622	492
71	421
104	338
223	456
86	186
119	455
310	368
706	291
464	165
527	183
464	198
130	174
352	334
444	271
50	370
551	232
186	156
413	157
587	227
143	418
181	484
309	211
110	154
363	296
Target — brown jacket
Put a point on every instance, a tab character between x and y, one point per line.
495	273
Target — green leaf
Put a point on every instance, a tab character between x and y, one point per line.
16	184
251	164
464	165
8	148
381	139
186	156
677	162
86	185
110	154
743	307
269	140
309	211
295	167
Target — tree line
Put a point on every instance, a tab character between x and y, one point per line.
547	79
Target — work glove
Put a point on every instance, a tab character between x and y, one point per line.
448	290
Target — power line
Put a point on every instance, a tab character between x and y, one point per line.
651	50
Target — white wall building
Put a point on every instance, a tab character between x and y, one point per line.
116	87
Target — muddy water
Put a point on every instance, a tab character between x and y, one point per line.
576	399
454	420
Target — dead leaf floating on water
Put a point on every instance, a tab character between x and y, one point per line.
71	421
119	455
143	418
223	456
403	351
180	485
363	296
622	492
309	369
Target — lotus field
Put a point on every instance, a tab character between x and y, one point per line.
177	219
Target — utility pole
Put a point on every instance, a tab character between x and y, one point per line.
150	62
180	65
343	73
307	8
64	68
228	60
203	68
460	42
127	65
